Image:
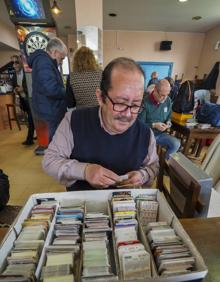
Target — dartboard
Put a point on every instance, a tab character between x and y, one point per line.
35	40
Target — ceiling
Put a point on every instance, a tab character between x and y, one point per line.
161	15
142	15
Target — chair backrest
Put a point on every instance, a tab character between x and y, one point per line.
182	198
211	162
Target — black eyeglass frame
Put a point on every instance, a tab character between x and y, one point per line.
139	108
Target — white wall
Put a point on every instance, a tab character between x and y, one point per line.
209	55
144	46
8	36
89	13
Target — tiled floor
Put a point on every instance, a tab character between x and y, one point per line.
23	167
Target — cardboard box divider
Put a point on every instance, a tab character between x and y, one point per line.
98	201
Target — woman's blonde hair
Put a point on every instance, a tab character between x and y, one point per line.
84	60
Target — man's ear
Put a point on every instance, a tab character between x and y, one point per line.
52	54
99	96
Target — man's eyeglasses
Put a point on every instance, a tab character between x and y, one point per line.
16	62
119	107
161	96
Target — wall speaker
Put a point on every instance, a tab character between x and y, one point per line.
165	45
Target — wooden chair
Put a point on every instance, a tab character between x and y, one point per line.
12	115
182	198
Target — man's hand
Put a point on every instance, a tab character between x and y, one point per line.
19	89
135	179
100	177
160	126
169	124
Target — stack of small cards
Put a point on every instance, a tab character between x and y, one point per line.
59	267
96	226
147	209
134	260
96	263
61	253
171	255
68	226
27	248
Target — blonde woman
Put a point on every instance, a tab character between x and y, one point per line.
85	79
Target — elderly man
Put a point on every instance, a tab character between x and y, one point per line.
105	146
157	113
48	92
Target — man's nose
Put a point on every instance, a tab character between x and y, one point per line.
127	112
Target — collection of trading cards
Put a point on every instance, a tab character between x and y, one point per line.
96	251
134	260
147	208
81	244
172	256
60	254
25	254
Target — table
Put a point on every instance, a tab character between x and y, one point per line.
205	234
192	133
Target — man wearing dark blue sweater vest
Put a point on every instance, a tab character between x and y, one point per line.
106	146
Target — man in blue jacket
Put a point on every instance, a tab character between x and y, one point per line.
48	92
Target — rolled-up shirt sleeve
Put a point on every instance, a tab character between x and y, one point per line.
150	165
57	162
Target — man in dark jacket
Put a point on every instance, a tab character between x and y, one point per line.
48	92
20	89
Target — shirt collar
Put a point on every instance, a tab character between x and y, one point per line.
153	99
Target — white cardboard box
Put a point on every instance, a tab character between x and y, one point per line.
98	201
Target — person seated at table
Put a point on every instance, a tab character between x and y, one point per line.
157	114
94	146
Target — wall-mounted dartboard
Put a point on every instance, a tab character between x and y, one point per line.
35	40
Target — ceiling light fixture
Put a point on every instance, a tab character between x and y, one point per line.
182	0
55	8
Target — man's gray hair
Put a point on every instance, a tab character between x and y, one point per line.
161	83
56	44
